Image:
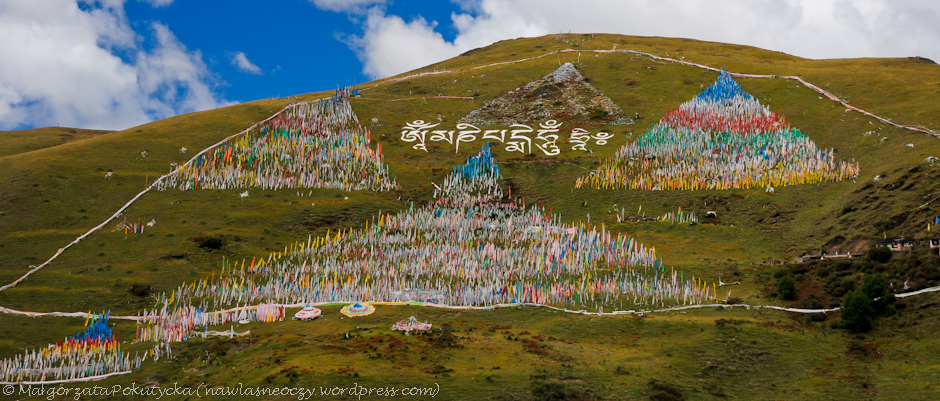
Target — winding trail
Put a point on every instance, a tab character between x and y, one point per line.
140	319
815	88
231	333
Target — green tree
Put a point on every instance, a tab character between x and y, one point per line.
880	255
856	312
875	287
786	287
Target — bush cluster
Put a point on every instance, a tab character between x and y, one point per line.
861	306
208	241
838	278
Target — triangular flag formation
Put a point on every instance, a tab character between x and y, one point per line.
307	145
722	139
470	247
561	95
95	352
476	179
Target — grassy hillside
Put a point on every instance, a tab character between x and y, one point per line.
14	142
51	195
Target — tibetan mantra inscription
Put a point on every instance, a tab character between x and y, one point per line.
517	138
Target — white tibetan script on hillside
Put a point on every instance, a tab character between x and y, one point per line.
517	138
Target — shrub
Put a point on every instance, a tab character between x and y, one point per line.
811	302
786	287
848	283
801	268
598	114
209	241
865	265
880	255
843	265
561	389
661	391
140	289
856	312
875	286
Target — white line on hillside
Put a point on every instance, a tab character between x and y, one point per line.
815	88
488	307
129	203
83	379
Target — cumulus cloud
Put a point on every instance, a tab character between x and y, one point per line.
389	45
241	61
349	6
806	28
85	67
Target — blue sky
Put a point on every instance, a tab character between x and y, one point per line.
114	64
297	47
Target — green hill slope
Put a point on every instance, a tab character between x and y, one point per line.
51	195
14	142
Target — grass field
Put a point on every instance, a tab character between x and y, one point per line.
53	187
15	142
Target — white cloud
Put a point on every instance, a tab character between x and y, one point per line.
349	6
158	3
241	61
806	28
173	78
390	45
59	63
